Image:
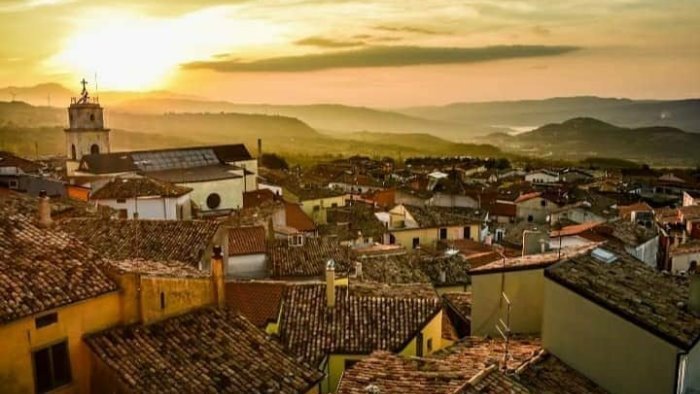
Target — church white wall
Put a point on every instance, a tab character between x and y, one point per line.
230	191
148	208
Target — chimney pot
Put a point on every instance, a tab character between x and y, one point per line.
330	283
217	275
44	211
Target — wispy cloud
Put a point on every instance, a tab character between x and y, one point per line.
26	5
383	56
322	42
411	29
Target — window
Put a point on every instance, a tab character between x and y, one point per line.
121	200
392	239
467	232
443	233
416	243
543	203
317	208
123	214
419	345
73	154
296	240
162	300
92	117
94	149
530	218
213	201
334	205
13	184
51	367
499	235
350	363
46	320
429	345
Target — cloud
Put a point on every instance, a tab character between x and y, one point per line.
410	29
328	43
541	31
382	56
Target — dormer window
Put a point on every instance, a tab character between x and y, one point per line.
296	240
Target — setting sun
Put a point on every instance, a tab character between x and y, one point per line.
133	52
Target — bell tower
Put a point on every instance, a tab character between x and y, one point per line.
85	134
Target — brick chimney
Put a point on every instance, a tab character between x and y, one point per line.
330	283
44	212
217	276
694	294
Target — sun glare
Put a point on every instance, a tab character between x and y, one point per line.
132	52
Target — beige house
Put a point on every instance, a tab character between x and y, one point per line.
512	290
413	226
534	208
624	325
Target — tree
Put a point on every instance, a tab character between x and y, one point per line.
273	162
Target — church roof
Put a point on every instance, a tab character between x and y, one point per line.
163	159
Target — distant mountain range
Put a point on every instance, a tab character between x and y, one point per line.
458	122
683	114
580	138
655	132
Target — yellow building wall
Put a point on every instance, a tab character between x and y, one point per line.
525	289
181	296
20	338
430	236
432	330
336	362
618	355
320	217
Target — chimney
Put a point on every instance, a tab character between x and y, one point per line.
694	294
44	210
330	283
217	276
358	269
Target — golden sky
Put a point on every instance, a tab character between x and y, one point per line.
369	52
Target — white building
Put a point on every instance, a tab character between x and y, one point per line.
542	177
149	198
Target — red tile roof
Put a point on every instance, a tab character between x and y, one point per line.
255	198
575	229
44	268
499	208
208	350
246	240
527	196
357	324
297	219
625	211
308	259
138	187
258	301
533	261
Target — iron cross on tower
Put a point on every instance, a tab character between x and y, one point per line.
84	93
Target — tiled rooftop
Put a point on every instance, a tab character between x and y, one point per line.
8	159
356	324
392	269
461	302
44	268
493	381
533	261
158	240
297	218
60	207
307	260
445	371
258	301
209	350
246	240
138	187
626	232
445	216
627	287
347	222
545	373
692	246
171	269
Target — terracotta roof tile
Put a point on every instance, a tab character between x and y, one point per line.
138	187
159	240
533	261
255	198
7	159
356	324
634	291
246	240
258	301
171	269
306	260
44	268
296	218
547	374
209	350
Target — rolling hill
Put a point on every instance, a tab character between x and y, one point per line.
579	138
683	114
